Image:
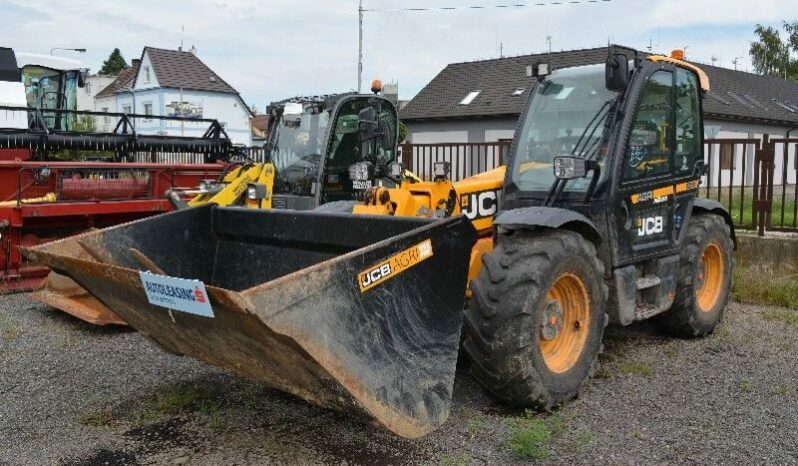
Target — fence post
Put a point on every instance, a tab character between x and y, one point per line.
763	185
407	156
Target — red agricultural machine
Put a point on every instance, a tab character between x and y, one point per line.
64	171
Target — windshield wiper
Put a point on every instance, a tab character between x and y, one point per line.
594	123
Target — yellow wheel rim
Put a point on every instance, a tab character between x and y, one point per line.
565	323
709	277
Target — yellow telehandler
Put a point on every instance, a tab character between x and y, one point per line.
360	308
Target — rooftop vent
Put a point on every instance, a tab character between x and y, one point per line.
518	91
212	78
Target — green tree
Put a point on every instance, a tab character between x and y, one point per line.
114	64
402	132
773	56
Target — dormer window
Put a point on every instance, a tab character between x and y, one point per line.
146	75
470	97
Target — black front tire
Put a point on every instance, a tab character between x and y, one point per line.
687	318
505	317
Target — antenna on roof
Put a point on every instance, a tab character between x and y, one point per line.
714	59
182	33
735	62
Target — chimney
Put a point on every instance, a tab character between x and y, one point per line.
193	50
135	62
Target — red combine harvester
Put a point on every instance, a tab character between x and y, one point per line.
43	198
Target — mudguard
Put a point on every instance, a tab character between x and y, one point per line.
715	207
548	217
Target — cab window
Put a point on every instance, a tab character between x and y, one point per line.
688	121
649	150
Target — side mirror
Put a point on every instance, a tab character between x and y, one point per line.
617	72
568	168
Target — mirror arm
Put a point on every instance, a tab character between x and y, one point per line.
593	181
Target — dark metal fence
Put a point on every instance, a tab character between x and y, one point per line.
754	178
466	159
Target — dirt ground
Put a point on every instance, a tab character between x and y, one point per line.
72	394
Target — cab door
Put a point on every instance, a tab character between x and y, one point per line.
645	201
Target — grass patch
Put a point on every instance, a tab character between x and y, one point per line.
745	386
173	401
460	460
789	318
741	203
96	419
757	288
475	426
636	368
8	329
529	436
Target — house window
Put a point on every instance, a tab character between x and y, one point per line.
106	119
470	97
146	75
126	109
88	87
148	108
518	91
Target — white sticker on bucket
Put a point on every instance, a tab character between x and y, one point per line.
175	293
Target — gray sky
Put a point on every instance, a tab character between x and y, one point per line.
272	49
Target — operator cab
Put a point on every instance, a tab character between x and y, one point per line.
51	84
619	143
313	142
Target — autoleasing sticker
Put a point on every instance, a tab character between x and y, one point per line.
179	294
394	265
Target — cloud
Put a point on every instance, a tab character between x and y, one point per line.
271	50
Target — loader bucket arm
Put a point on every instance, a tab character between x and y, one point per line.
296	302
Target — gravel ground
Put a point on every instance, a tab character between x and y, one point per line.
78	395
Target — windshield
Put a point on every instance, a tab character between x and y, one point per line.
567	116
51	89
296	148
299	142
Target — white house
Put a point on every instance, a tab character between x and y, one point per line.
176	83
94	84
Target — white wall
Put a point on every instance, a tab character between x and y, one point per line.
141	78
94	84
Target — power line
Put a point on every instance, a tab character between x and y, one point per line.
487	7
362	10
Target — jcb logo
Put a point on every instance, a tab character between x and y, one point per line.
375	275
481	204
394	265
649	226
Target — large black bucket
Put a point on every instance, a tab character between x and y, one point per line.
301	301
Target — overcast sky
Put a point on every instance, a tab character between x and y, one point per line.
272	49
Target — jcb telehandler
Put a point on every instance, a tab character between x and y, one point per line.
597	220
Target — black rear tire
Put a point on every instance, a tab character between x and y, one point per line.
506	320
690	315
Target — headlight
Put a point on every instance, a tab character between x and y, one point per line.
362	171
441	170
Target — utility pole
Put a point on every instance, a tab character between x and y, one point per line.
360	47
